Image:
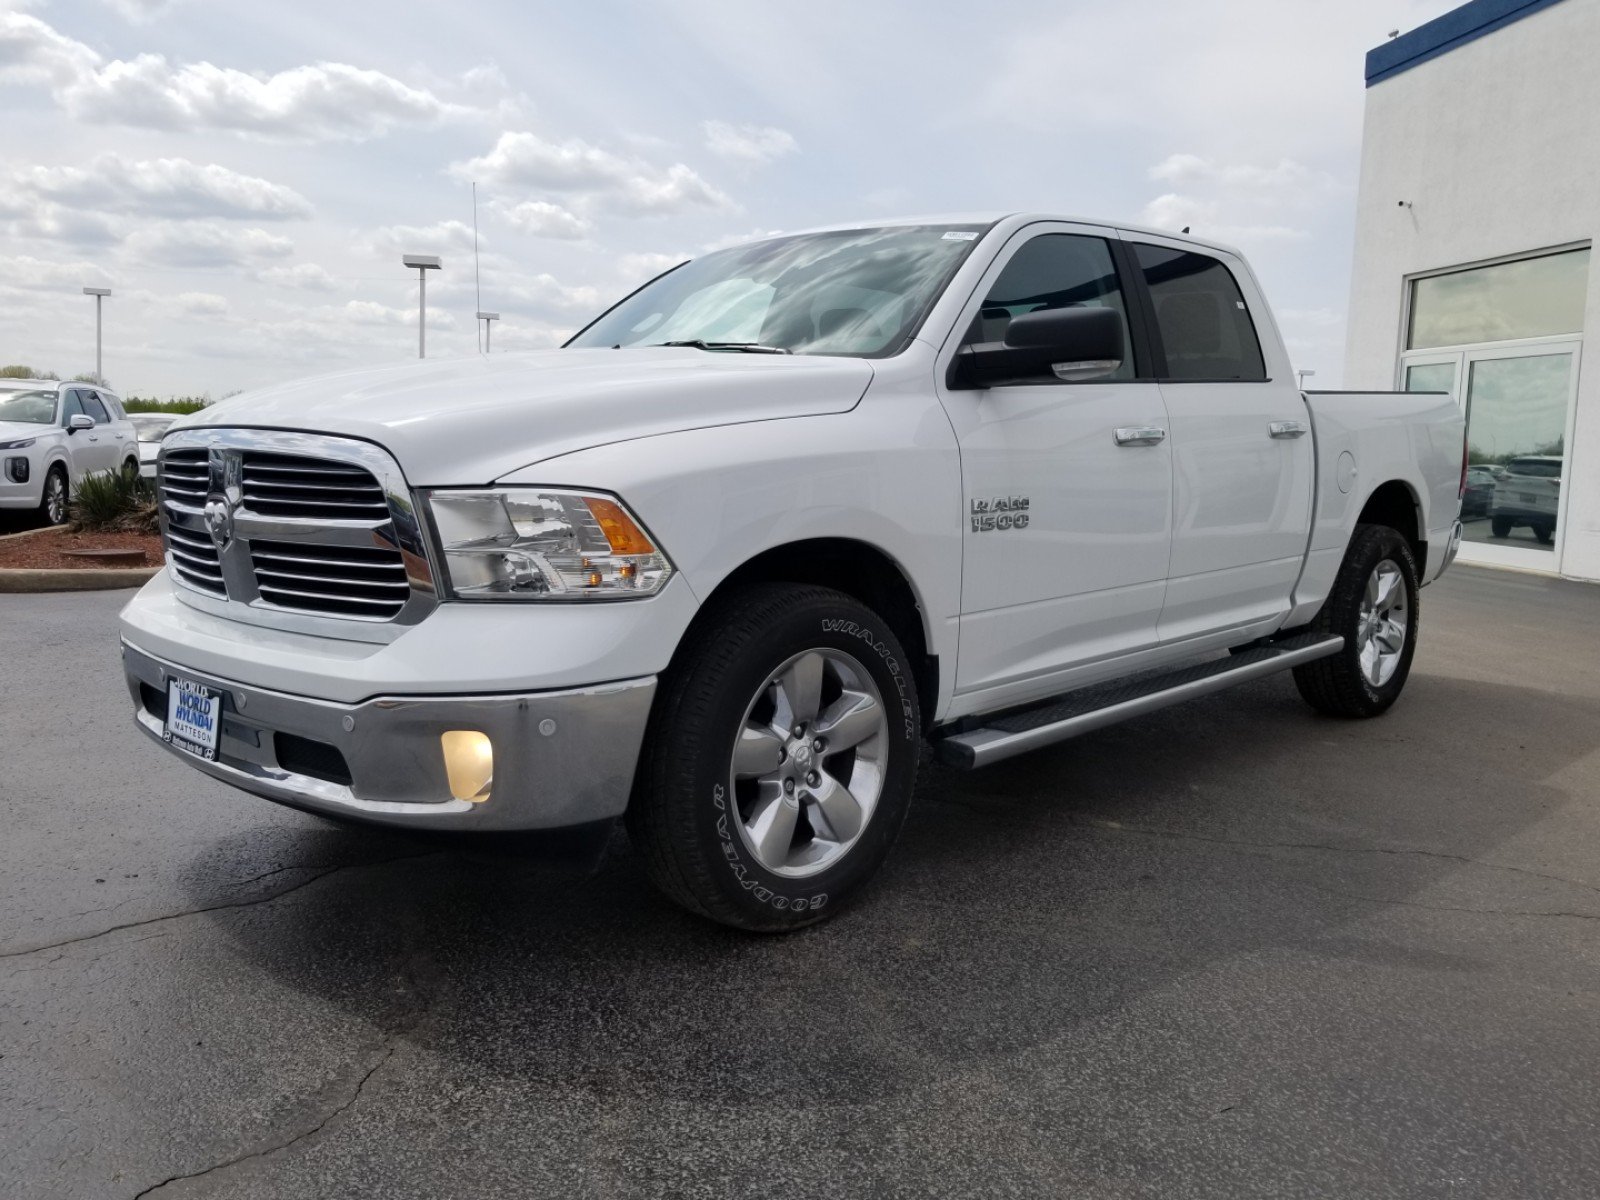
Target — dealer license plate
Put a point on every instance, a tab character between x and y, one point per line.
194	717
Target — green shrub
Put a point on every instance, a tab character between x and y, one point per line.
114	502
178	405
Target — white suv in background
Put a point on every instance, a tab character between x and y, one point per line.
52	435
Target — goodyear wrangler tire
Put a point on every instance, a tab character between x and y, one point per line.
780	760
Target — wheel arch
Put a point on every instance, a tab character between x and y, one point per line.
1397	505
862	571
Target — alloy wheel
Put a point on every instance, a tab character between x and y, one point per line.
1385	615
55	498
809	762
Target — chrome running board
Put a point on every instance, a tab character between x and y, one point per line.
1021	730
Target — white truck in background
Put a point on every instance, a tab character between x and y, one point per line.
720	564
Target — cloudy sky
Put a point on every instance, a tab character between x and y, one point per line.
247	175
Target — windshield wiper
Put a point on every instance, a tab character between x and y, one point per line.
739	347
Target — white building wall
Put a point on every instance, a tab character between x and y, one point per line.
1496	145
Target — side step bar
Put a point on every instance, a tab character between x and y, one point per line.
1091	708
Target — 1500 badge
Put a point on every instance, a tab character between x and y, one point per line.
999	512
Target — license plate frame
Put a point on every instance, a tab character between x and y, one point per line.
194	718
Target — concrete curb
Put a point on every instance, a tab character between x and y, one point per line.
7	537
84	579
26	579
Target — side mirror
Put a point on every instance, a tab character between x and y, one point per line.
79	421
1073	344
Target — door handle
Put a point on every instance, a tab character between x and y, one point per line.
1141	435
1286	429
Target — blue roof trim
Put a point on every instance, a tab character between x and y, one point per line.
1443	34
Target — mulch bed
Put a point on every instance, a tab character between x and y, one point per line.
43	550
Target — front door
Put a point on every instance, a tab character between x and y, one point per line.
89	449
1067	528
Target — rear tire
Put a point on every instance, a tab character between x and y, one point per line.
1545	533
53	496
1373	606
1500	526
780	758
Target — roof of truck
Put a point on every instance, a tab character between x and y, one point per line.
986	219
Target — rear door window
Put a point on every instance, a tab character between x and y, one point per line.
1201	317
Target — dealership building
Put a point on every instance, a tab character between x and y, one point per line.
1474	272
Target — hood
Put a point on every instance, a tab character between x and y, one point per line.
15	431
453	422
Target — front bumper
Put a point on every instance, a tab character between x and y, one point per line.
561	758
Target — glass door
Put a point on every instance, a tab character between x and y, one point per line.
1518	405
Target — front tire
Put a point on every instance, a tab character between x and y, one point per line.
780	760
1373	606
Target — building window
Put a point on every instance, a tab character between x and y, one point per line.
1531	297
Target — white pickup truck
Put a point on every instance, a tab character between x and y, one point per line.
724	562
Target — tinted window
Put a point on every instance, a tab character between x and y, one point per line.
1201	315
71	407
92	406
1054	270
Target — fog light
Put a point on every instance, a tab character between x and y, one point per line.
469	763
17	469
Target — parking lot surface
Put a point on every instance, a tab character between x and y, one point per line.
1234	949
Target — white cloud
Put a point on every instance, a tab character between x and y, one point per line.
25	271
423	239
202	304
753	144
166	187
141	11
521	159
322	101
205	244
307	277
542	219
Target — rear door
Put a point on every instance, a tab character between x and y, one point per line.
1066	529
124	440
1242	449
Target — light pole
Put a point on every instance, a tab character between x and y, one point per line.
423	263
1301	377
488	319
99	295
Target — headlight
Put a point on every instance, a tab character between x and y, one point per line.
544	544
20	445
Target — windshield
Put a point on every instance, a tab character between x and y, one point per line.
150	429
28	408
857	292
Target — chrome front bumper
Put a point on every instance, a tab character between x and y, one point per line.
561	758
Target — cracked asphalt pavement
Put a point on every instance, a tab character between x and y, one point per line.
1230	950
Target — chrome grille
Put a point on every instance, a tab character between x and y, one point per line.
338	580
195	558
186	476
289	485
293	530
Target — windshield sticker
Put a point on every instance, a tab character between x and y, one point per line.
960	235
